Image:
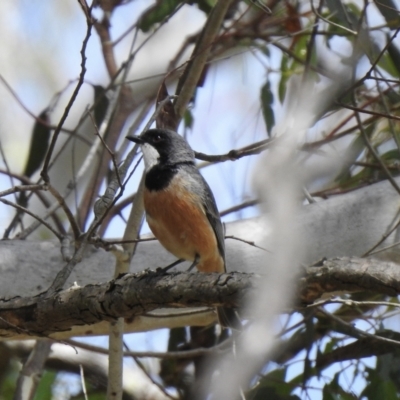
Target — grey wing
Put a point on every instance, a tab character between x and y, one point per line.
210	208
215	220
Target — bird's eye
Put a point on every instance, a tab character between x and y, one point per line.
157	138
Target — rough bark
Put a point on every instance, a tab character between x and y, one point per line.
132	295
127	296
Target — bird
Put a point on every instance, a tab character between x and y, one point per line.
180	207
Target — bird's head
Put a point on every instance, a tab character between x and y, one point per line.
163	147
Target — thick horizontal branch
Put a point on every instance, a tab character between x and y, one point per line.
133	295
345	275
128	296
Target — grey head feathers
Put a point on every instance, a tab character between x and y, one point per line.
163	147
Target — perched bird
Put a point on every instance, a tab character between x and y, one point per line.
180	206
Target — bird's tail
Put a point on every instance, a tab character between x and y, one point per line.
229	318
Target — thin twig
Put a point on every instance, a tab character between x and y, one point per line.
370	112
370	252
241	206
353	303
154	382
350	31
40	220
358	333
373	151
247	242
195	66
384	237
82	374
38	120
233	155
41	197
219	348
68	212
30	374
17	189
311	42
44	173
112	155
3	156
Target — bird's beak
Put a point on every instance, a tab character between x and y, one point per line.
136	139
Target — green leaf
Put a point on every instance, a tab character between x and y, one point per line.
379	388
204	5
331	345
91	396
346	13
9	379
388	64
300	49
394	55
39	144
264	393
272	386
188	119
44	389
267	101
285	74
333	391
100	104
336	7
161	10
387	9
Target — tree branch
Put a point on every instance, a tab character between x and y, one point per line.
349	275
194	68
129	296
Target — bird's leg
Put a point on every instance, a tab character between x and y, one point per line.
195	262
168	267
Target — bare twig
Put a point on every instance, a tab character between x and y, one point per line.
353	303
245	204
40	220
194	68
17	189
110	152
68	212
247	242
41	197
219	348
373	151
384	237
30	374
44	172
355	332
233	155
143	368
3	156
82	374
311	42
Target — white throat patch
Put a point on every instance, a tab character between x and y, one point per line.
150	156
